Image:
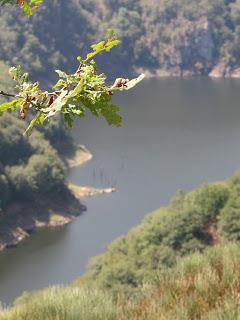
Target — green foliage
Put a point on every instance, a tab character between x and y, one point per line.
28	6
187	225
201	286
194	35
208	200
77	93
229	220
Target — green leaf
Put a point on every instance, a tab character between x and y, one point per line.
97	47
102	46
10	105
110	113
110	44
37	120
80	59
77	90
60	83
30	6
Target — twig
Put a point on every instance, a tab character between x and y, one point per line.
7	94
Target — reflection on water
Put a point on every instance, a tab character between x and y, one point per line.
176	134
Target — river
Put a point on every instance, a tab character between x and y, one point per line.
176	134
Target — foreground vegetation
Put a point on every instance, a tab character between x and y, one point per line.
182	262
201	286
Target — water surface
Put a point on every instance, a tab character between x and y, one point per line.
176	134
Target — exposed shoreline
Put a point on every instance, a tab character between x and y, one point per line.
23	219
82	155
219	72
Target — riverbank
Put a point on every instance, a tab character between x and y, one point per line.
220	71
80	156
20	220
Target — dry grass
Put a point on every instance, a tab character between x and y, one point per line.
62	304
202	286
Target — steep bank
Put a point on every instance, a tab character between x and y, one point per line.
21	219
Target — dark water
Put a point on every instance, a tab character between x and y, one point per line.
176	134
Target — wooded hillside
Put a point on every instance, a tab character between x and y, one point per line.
164	37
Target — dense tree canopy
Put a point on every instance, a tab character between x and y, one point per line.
194	35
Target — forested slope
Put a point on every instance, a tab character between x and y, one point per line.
162	37
192	222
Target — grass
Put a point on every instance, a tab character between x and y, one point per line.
202	286
154	273
58	303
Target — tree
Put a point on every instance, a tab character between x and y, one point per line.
73	94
